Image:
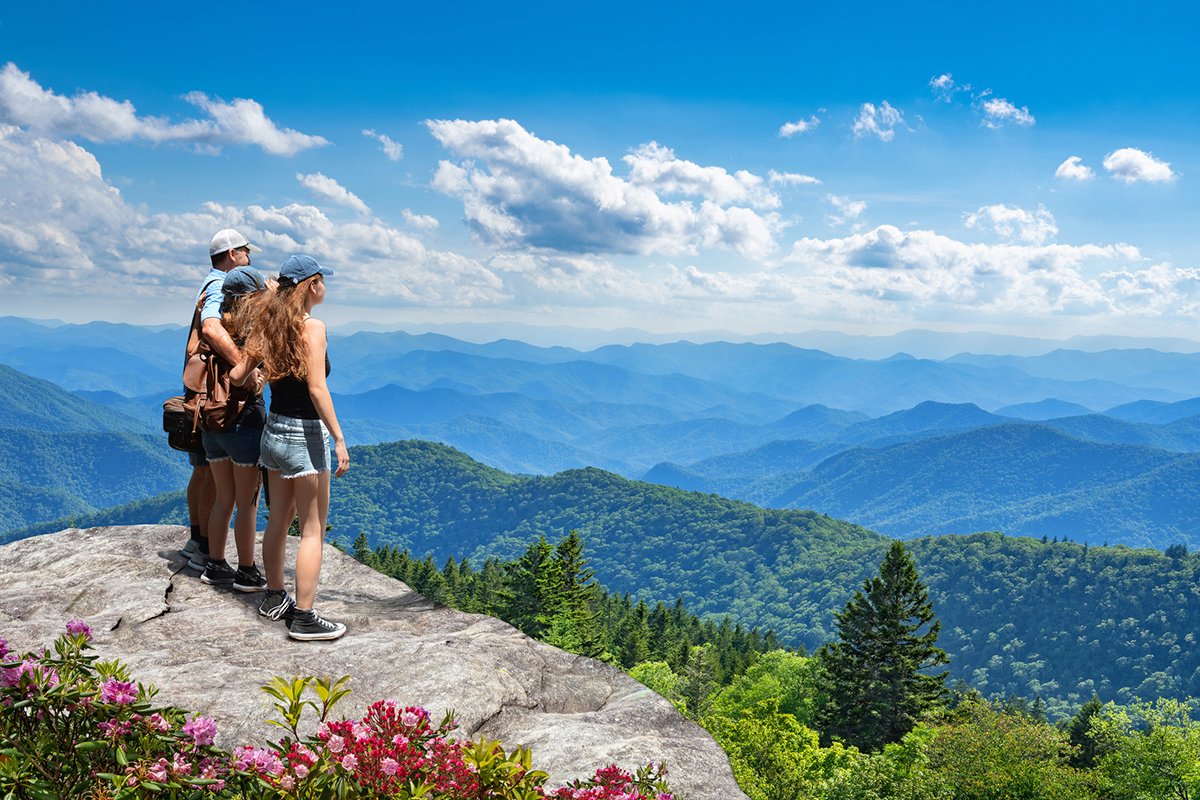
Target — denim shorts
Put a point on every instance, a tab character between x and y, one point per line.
294	447
239	445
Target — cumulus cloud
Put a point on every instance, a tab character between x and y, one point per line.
1073	169
923	269
392	149
88	115
998	112
521	191
327	188
1013	223
67	232
792	179
790	129
1137	166
879	122
423	221
657	167
844	211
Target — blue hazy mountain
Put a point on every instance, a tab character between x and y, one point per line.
1050	408
1152	369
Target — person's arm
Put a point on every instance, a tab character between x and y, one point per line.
318	390
246	371
219	340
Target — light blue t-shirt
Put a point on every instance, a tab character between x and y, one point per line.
212	294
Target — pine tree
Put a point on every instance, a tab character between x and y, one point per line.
1079	729
877	672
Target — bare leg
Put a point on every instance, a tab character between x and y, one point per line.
283	511
200	498
222	508
245	486
312	504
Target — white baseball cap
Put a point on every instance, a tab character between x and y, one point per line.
229	239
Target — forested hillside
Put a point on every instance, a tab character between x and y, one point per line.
1020	616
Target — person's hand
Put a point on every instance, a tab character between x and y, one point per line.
260	381
343	458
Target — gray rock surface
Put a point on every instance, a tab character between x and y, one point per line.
208	651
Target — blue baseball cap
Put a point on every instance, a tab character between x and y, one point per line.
243	280
298	268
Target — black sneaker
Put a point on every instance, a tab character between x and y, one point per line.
277	604
309	625
249	579
218	573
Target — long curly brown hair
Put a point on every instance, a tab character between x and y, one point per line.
274	325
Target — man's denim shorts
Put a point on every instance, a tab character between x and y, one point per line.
239	445
294	447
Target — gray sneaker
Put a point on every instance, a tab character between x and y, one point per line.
218	573
310	626
190	547
198	560
249	579
277	604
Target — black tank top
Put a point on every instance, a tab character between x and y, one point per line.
290	397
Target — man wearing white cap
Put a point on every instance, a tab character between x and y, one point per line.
227	250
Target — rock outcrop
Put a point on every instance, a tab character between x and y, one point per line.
208	651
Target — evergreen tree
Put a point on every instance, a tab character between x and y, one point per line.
877	672
1079	731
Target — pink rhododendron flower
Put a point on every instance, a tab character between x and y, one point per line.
202	730
400	740
155	722
409	719
389	766
349	762
287	783
78	626
180	765
158	771
336	744
301	771
4	651
119	692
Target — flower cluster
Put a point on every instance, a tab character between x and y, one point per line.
73	727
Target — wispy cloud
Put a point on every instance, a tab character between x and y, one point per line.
791	179
519	190
1073	169
879	122
789	129
844	211
327	188
944	87
1137	166
88	115
392	149
998	112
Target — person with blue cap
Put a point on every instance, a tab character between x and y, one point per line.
227	250
233	454
290	344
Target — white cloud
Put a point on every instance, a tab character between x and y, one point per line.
789	129
392	149
1135	166
998	112
943	87
327	188
890	268
423	221
1011	222
657	168
880	122
521	191
25	103
792	179
67	232
1073	169
845	210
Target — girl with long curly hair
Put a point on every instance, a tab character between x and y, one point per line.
290	345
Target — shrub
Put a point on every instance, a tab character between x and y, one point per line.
73	726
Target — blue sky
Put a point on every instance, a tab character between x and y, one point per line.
1023	169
